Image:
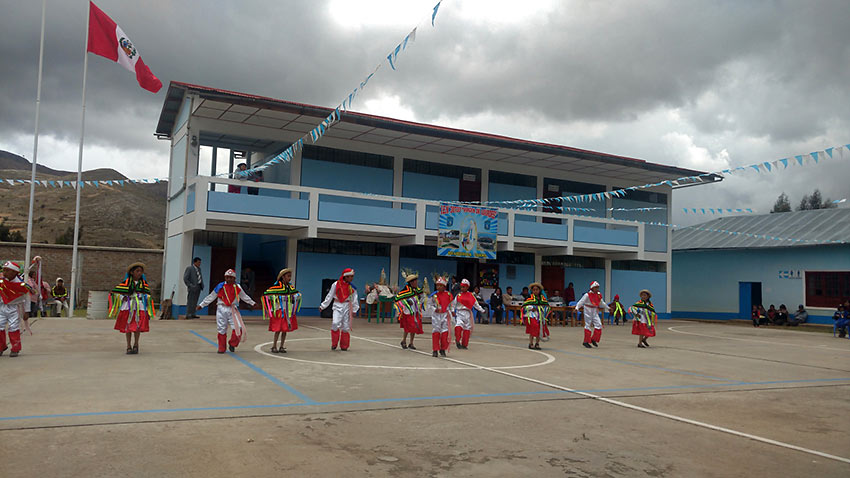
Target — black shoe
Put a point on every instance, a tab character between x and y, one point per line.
232	348
595	344
344	350
443	353
645	343
333	347
220	351
587	345
641	346
403	345
13	354
411	347
281	350
531	346
434	354
459	345
536	346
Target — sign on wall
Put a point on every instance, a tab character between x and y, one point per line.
467	231
791	274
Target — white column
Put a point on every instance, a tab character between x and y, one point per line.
394	264
608	284
398	179
240	237
538	267
291	253
485	185
669	268
184	257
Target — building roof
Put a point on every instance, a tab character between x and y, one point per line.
267	112
811	227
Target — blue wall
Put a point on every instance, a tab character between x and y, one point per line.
313	267
581	279
428	186
428	267
629	283
705	283
509	192
347	177
524	276
656	236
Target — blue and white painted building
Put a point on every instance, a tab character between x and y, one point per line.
720	276
366	196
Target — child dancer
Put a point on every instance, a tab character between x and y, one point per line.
439	304
408	304
131	304
15	294
617	311
591	304
463	305
535	314
281	303
345	305
228	294
644	318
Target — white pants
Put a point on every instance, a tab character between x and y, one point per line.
341	317
463	318
439	322
591	318
10	314
223	318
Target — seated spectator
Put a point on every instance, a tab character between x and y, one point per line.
841	318
525	294
556	300
763	320
800	317
771	314
497	305
59	294
486	316
755	316
782	315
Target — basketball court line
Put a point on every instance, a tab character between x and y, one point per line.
816	347
649	411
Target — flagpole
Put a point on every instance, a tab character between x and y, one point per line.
72	304
35	139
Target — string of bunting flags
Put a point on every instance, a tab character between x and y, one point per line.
766	166
49	183
332	119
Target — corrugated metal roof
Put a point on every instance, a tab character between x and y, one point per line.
811	227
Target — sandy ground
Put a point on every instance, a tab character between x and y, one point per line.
704	400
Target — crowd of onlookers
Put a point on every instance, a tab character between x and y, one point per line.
780	316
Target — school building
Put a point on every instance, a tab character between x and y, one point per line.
721	276
367	196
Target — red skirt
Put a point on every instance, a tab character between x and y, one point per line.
140	323
639	328
410	324
532	327
278	324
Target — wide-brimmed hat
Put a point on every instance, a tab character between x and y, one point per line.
647	292
531	286
134	265
283	273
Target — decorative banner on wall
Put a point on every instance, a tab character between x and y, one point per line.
467	231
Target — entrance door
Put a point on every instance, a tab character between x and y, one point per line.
749	294
470	187
222	258
553	279
468	269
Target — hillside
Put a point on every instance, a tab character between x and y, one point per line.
120	216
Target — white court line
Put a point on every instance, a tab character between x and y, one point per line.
638	408
819	347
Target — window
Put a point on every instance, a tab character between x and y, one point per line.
645	266
827	288
332	155
329	246
574	262
645	196
440	169
513	179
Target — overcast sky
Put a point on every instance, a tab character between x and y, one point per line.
705	85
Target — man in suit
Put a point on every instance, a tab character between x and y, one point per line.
195	283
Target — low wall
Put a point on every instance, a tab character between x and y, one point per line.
100	268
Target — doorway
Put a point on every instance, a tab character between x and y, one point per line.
468	269
749	294
470	187
221	259
553	279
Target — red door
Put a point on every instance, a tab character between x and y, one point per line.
470	187
553	279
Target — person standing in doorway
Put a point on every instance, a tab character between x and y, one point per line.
195	284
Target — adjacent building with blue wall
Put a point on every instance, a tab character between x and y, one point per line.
721	276
367	194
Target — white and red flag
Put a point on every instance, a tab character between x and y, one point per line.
108	40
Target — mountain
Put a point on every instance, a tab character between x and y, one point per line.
119	216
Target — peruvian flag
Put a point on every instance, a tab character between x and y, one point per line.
108	40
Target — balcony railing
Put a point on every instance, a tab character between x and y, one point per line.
314	209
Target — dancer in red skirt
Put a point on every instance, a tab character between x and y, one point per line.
281	303
535	314
131	304
644	318
409	303
14	293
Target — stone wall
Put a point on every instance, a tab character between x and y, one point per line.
100	268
